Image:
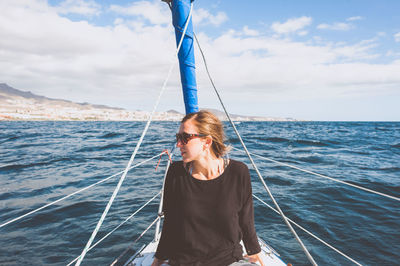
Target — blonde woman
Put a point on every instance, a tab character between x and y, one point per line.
208	204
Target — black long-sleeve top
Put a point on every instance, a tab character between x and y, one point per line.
205	220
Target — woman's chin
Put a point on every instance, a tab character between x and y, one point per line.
185	159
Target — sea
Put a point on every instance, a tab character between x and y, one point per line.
43	161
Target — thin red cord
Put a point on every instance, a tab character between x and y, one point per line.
169	156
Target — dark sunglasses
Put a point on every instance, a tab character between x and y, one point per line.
185	137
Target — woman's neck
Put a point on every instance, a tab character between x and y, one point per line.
207	168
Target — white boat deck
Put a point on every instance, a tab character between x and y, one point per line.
269	256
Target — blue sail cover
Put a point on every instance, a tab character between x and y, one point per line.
180	13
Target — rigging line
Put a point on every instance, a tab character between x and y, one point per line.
310	258
136	240
160	207
324	176
112	231
136	148
311	234
76	192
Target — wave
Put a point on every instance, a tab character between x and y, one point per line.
384	169
311	159
101	148
352	151
279	181
78	207
111	135
59	213
12	138
311	143
277	139
18	137
27	145
86	131
396	145
382	129
18	166
298	141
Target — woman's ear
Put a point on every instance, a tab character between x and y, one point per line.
208	142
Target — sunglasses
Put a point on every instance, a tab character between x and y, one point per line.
185	137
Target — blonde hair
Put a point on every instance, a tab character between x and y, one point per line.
208	124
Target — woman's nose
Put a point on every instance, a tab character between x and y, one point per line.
179	144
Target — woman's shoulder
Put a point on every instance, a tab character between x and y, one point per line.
177	164
238	165
176	167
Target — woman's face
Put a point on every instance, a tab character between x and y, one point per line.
195	147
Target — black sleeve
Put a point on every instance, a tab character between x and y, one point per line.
165	245
246	215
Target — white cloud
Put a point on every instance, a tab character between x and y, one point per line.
80	7
302	33
155	12
124	64
56	57
335	26
250	32
355	18
397	37
202	16
391	53
291	25
340	26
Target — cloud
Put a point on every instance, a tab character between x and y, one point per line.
155	12
291	25
397	37
302	33
80	7
355	18
202	16
250	32
56	57
335	26
124	64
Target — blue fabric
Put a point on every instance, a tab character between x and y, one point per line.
180	13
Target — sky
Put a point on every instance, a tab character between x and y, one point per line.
311	60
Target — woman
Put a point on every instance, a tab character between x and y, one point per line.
208	204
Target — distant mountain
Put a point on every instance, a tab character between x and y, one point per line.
7	92
5	89
25	105
222	116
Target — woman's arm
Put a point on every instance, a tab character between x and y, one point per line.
246	215
166	243
157	262
255	258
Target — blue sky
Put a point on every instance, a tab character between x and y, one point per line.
312	60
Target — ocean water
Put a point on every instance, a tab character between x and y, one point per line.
43	161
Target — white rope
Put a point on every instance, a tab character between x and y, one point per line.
76	192
160	207
141	235
116	228
311	234
324	176
310	258
136	149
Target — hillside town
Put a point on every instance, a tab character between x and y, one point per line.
26	106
